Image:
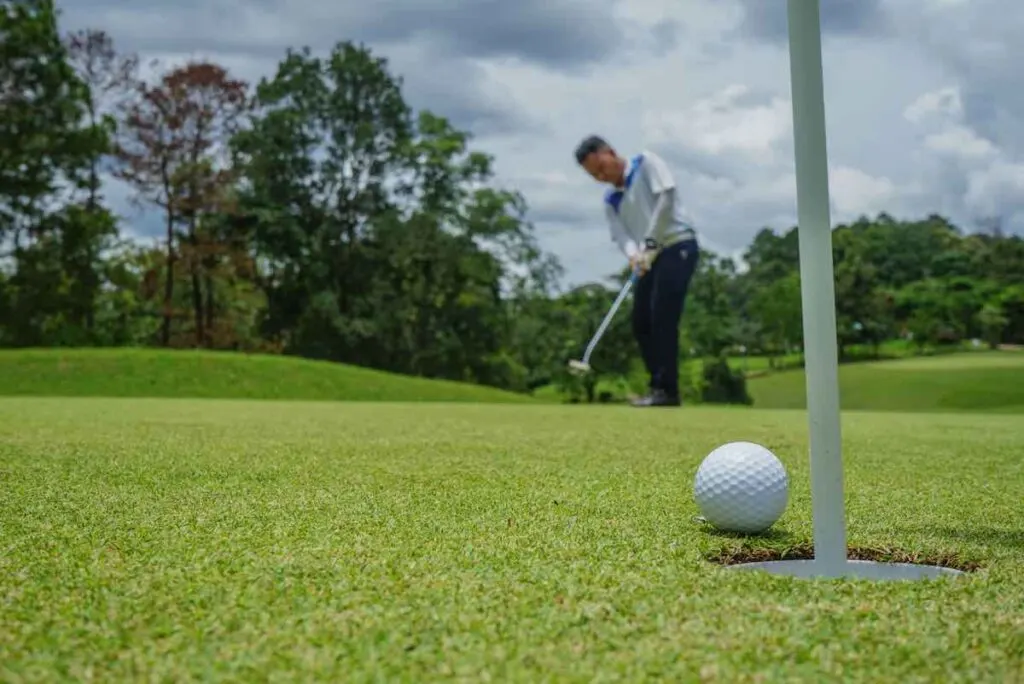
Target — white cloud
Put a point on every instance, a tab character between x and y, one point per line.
961	142
992	190
855	193
722	124
943	103
983	179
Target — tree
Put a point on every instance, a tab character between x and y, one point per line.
993	322
329	137
47	146
110	77
710	315
168	150
862	308
464	236
771	256
925	311
1011	302
380	237
42	103
778	311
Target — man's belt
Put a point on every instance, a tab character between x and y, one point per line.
653	245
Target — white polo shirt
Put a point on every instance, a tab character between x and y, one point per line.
630	209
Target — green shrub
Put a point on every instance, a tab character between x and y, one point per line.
720	384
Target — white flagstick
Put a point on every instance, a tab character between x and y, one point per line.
817	287
819	318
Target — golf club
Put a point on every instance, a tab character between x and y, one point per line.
582	366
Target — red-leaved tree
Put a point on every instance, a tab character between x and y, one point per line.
172	150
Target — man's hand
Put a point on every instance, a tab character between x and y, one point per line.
640	263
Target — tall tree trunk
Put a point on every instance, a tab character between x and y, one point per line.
197	305
92	205
197	286
209	307
165	334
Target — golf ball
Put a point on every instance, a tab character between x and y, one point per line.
741	487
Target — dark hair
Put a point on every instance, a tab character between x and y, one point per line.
590	144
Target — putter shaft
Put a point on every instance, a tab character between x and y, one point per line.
608	318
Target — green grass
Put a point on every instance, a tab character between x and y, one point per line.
176	540
756	364
981	381
963	380
887	351
200	374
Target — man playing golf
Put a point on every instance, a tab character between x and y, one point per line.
647	221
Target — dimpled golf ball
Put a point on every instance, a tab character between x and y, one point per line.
741	487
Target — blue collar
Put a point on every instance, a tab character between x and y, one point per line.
614	195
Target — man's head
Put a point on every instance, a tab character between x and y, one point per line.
598	158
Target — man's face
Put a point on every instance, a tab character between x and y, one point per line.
605	166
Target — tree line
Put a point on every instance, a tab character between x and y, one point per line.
316	213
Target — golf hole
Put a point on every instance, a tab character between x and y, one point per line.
739	555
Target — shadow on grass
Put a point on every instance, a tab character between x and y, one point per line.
771	537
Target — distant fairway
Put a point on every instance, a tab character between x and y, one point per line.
982	381
221	375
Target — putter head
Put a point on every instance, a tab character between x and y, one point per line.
578	367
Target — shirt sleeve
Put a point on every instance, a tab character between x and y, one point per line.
619	234
658	174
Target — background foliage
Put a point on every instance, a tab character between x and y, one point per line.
316	214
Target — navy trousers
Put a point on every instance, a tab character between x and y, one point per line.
658	302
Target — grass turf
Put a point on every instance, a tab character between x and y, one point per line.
260	541
980	381
119	372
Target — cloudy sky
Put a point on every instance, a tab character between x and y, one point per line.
923	107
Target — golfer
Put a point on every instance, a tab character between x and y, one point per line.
647	221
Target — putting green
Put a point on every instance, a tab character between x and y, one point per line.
253	541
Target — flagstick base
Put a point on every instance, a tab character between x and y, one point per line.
853	569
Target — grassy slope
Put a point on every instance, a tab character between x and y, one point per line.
977	381
255	540
155	373
982	381
758	366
